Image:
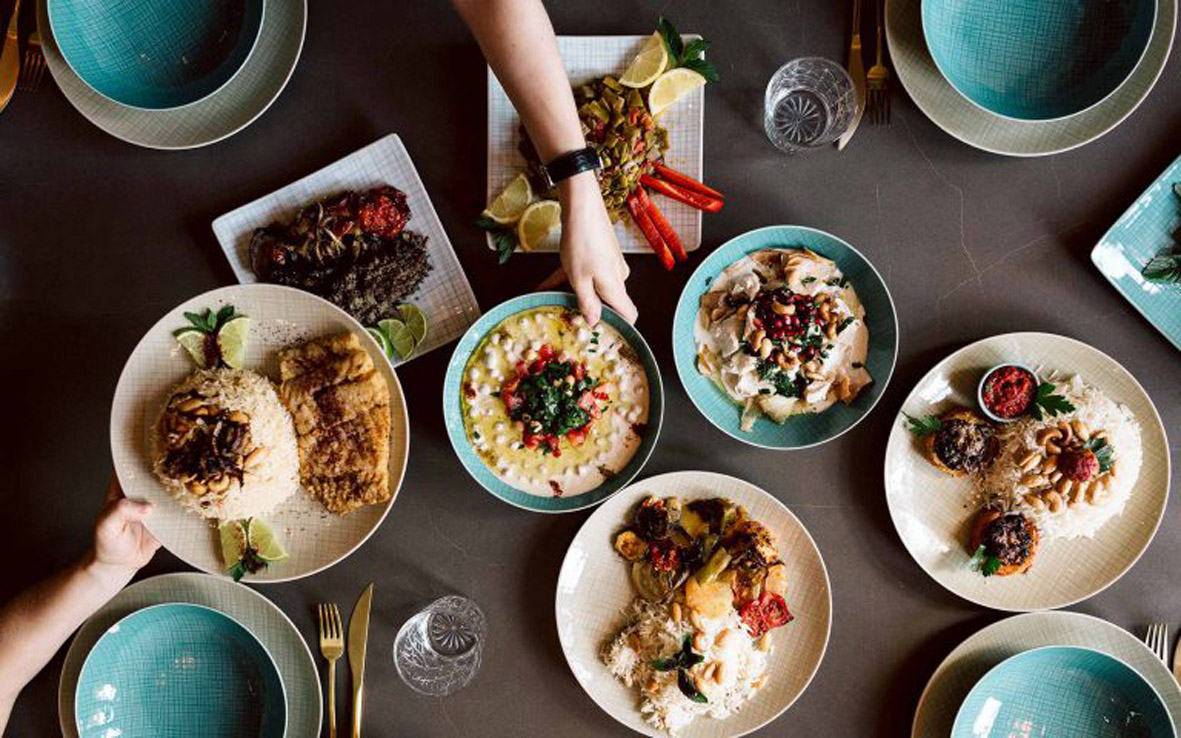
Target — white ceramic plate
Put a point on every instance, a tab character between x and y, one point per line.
964	120
233	107
587	57
594	587
315	539
256	613
445	296
930	509
964	666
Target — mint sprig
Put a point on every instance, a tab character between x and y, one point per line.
682	661
504	238
1104	452
208	321
690	56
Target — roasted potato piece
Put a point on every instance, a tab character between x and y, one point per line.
712	600
776	581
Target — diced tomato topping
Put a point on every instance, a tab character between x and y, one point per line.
602	396
587	400
577	436
594	412
530	440
546	352
663	555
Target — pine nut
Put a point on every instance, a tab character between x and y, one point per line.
1032	481
1055	476
699	644
1064	486
1029	461
720	673
1081	431
1034	501
1053	501
1050	465
710	669
723	638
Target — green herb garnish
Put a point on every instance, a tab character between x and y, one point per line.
503	237
682	661
807	280
983	563
551	402
845	323
208	322
250	563
690	55
1045	401
1163	268
785	384
1104	452
924	426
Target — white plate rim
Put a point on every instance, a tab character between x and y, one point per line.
365	338
707	475
1160	514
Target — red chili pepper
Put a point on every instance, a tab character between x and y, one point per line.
662	227
686	181
693	199
640	216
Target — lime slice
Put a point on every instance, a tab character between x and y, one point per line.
379	336
401	339
538	224
233	542
671	86
231	341
415	321
648	64
261	538
506	209
194	341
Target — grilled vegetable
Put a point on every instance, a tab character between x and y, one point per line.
667	234
690	198
630	546
644	221
685	181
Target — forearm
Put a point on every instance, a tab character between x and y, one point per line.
519	43
35	624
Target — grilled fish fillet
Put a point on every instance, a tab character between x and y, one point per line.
341	407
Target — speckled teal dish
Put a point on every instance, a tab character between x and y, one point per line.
453	412
1152	225
1037	59
1063	691
155	54
800	431
176	671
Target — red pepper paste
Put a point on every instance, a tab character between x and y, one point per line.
1009	391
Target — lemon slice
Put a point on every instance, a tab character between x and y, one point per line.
506	209
231	341
538	224
401	339
648	64
194	341
233	542
415	321
261	538
671	86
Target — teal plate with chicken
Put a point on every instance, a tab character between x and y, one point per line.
178	670
1150	228
806	429
501	454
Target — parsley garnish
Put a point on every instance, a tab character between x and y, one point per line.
983	563
924	426
682	661
690	55
784	384
1045	400
503	237
548	400
1103	451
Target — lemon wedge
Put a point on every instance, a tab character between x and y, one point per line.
648	64
672	86
538	224
506	209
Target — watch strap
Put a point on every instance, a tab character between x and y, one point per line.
570	164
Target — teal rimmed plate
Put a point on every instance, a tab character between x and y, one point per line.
453	412
800	431
1150	226
1063	690
173	670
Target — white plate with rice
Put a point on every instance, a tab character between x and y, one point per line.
314	538
595	595
1083	548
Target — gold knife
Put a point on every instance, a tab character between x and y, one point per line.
358	641
857	72
10	59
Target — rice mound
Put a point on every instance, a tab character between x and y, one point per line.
261	487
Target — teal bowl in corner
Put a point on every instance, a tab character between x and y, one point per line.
800	431
155	54
1063	691
1037	59
457	433
179	670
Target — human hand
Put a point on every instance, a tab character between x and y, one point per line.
591	259
122	544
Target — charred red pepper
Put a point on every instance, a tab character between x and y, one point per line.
684	180
644	221
662	227
692	199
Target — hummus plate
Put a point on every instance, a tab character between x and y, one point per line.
548	413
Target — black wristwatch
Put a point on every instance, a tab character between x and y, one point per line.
571	164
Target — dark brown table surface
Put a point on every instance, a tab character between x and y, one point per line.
98	238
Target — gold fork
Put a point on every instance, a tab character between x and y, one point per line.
878	81
332	646
33	68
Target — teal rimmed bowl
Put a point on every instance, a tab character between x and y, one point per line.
178	670
1037	59
800	431
453	412
1063	691
155	54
